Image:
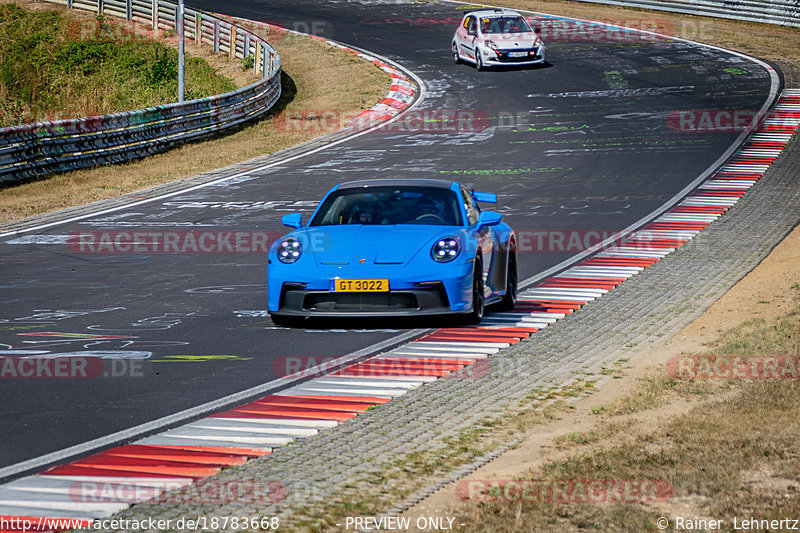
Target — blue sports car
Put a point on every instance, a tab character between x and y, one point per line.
398	247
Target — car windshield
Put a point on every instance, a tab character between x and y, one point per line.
389	205
500	25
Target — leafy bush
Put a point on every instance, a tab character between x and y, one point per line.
164	68
86	57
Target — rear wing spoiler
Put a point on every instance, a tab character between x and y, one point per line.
487	197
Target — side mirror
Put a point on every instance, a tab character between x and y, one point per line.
293	220
487	197
537	30
489	218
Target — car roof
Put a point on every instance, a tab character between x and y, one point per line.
438	184
492	13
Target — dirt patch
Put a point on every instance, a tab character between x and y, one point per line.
764	293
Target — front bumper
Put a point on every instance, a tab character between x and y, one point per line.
503	57
408	295
314	303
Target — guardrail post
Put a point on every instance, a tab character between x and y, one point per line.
198	28
128	10
246	47
69	4
232	51
154	12
99	7
257	62
216	35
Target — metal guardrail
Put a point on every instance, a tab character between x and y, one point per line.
42	148
780	12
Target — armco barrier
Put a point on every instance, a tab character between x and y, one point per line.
45	147
781	12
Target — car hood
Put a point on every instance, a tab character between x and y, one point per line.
354	244
511	41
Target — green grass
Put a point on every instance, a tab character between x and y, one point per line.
55	66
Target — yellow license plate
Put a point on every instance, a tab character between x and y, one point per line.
360	285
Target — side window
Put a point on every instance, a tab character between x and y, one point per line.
470	207
470	25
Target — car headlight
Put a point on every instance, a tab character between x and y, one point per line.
289	250
537	42
491	44
446	249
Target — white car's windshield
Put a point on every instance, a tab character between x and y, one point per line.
389	205
501	25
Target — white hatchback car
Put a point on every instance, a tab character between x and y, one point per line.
496	37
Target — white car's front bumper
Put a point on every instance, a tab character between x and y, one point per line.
490	57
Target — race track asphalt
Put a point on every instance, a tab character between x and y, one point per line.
583	144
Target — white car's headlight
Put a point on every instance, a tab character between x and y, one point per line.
289	250
446	249
537	42
491	44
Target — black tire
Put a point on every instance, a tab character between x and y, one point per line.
478	60
456	59
509	301
478	303
286	321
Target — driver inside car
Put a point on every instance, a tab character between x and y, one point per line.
429	208
370	212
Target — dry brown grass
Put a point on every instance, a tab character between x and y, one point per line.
316	77
734	458
733	455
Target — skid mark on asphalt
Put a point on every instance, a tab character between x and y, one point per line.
200	358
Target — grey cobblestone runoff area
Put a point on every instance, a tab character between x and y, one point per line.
348	462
